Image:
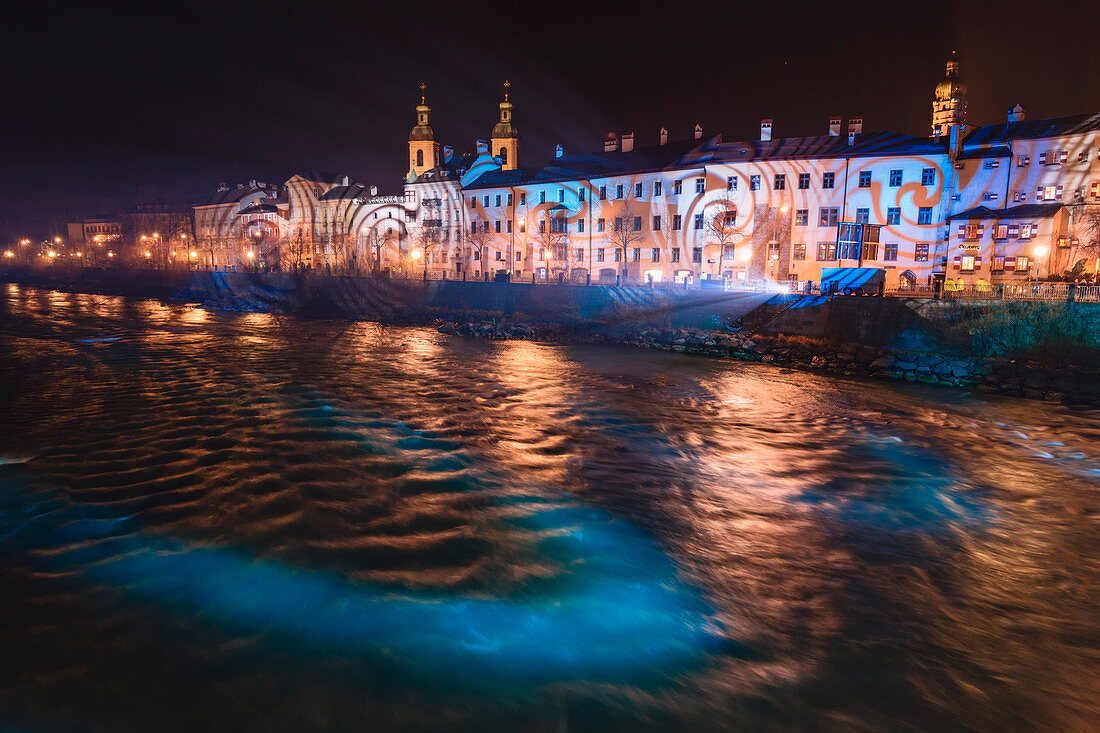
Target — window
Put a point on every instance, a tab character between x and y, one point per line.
580	194
496	225
599	254
419	158
637	223
924	215
637	190
1094	189
967	263
1022	160
508	226
826	251
655	254
519	257
542	197
1019	196
656	223
580	254
1027	231
700	185
928	177
1013	231
920	253
754	183
1049	193
676	220
498	200
675	255
865	179
971	232
731	183
618	254
486	201
890	252
473	202
523	199
990	165
561	195
677	187
780	181
509	199
696	254
728	253
618	223
893	215
895	177
829	217
542	226
800	251
619	191
580	225
863	216
1021	264
989	197
698	222
636	254
1000	232
656	188
828	180
603	193
600	224
801	217
803	181
473	227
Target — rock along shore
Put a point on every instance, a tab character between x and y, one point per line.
1004	377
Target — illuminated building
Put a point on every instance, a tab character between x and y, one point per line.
766	209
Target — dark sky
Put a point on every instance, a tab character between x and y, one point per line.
107	105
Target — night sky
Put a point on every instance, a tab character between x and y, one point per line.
109	107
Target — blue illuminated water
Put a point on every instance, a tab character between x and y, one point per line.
242	522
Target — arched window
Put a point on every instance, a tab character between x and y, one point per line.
907	280
419	158
504	156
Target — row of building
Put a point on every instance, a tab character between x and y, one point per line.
1013	200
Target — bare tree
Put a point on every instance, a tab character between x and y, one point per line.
720	226
478	239
428	236
627	216
551	237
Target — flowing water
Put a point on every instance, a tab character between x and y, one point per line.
248	522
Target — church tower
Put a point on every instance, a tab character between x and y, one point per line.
949	105
505	139
423	149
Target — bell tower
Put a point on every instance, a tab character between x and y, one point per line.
504	143
423	149
949	104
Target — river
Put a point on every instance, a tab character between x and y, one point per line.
239	521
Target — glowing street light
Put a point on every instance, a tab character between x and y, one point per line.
110	254
1039	252
57	240
9	253
148	254
415	254
250	254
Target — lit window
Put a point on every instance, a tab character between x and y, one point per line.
920	253
1021	264
801	217
800	251
828	217
967	263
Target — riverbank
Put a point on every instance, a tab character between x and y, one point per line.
925	341
926	365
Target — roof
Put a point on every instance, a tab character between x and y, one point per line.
1030	129
333	179
450	168
1023	211
231	195
996	151
351	191
688	153
260	208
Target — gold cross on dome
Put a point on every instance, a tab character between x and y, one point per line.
423	86
506	85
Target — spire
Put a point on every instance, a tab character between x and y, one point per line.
949	102
423	130
504	128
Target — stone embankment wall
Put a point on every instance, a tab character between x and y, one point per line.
853	336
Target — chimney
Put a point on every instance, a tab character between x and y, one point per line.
698	131
611	144
222	187
663	135
955	138
834	127
855	127
765	130
448	152
252	183
1017	114
628	142
482	148
559	151
374	190
344	181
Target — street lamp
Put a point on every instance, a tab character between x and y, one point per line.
1039	252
